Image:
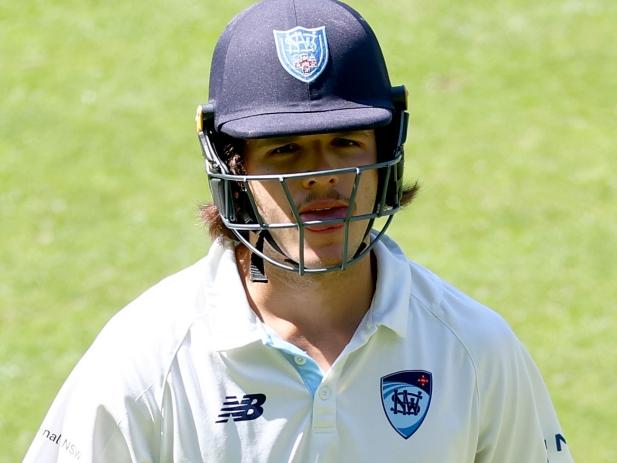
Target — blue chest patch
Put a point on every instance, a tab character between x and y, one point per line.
406	396
303	52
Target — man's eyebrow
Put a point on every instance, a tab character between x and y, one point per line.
283	140
352	133
259	142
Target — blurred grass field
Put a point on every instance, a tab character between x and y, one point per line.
514	119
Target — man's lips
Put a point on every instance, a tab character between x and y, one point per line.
324	210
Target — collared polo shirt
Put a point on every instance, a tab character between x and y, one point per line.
188	373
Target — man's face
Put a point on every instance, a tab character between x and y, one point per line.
316	197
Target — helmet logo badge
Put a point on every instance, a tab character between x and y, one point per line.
303	52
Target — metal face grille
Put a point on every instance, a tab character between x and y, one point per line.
229	185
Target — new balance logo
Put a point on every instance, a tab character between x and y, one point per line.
248	408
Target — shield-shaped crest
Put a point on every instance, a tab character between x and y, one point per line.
303	52
406	396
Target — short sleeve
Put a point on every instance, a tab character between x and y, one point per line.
517	418
97	416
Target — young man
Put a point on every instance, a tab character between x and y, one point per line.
305	334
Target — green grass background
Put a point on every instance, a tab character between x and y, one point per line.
514	118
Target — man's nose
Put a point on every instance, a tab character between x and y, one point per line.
320	161
324	180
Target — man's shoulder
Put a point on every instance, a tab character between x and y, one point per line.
175	299
162	316
167	307
139	343
456	314
478	329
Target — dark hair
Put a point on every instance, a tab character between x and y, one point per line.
233	150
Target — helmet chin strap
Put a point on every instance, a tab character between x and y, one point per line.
257	273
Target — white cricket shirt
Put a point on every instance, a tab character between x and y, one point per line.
188	373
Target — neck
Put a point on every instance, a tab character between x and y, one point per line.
317	312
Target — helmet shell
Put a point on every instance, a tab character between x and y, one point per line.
257	90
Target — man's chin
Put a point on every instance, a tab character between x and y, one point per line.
321	250
325	257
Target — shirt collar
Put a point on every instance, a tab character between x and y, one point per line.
391	301
233	323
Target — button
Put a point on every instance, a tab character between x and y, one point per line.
299	360
324	393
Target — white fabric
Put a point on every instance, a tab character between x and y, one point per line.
152	386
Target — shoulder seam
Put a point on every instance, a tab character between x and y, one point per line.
174	354
426	308
167	370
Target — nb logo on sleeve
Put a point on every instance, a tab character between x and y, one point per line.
245	409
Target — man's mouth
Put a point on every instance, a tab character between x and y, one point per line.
324	211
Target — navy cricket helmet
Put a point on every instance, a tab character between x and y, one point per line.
299	67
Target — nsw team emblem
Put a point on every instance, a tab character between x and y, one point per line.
303	52
406	396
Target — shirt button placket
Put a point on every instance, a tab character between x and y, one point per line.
324	409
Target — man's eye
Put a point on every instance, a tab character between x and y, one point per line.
284	149
344	142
